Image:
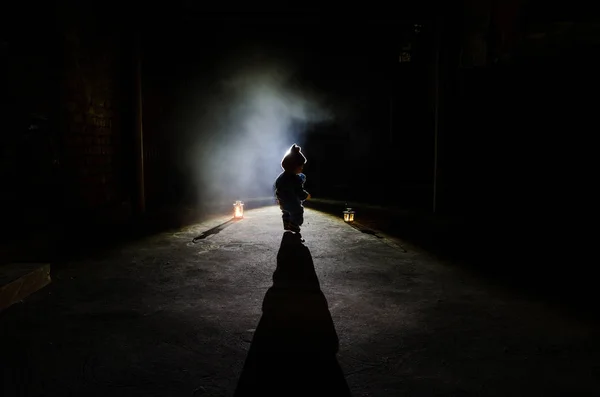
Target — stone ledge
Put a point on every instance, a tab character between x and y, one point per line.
19	280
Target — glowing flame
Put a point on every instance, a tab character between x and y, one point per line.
349	215
238	211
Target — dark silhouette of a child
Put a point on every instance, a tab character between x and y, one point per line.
289	189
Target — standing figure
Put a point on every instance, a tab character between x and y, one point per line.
289	189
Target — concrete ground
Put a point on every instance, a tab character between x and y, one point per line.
248	310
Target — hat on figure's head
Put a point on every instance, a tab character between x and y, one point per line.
293	158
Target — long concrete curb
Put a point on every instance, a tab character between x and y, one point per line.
19	280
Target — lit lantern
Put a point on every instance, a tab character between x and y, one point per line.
349	215
238	210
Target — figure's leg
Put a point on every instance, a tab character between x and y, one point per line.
297	217
290	225
292	216
285	216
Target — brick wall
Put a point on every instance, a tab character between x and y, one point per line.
96	117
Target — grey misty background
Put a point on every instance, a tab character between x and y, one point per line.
237	101
242	120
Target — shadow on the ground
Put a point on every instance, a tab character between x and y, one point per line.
214	230
293	351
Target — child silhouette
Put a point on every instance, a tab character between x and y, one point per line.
289	189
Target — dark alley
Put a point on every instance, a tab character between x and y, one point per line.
365	203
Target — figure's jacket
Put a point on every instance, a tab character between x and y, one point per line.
289	190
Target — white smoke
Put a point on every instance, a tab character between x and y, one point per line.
259	110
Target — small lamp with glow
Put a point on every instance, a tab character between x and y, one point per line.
238	210
349	215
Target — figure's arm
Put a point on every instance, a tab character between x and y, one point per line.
300	192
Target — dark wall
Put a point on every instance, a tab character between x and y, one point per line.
67	120
515	145
31	140
97	98
379	147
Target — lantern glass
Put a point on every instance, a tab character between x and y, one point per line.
238	210
349	215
